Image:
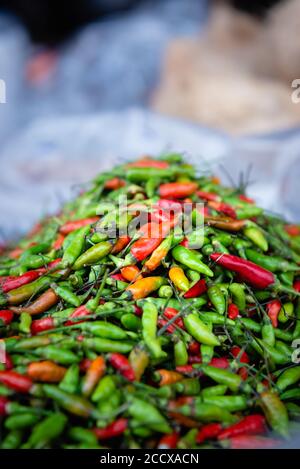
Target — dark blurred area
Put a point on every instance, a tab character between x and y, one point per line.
51	21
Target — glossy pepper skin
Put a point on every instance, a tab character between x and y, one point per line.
191	260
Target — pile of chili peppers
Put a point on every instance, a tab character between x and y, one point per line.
118	333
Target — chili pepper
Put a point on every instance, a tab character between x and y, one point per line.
73	249
275	412
165	291
79	312
233	311
60	355
288	377
253	233
6	316
142	288
121	243
25	323
70	381
121	363
206	412
142	249
15	381
159	254
191	260
13	283
149	328
217	298
208	196
93	255
222	207
208	432
229	379
168	441
148	415
70	226
67	295
167	377
253	442
170	313
178	278
72	403
273	308
249	425
177	190
196	290
45	371
47	430
251	273
104	330
21	294
225	223
292	230
218	390
131	322
271	263
82	435
93	375
286	312
199	330
108	346
16	422
296	285
131	273
113	430
12	440
40	305
104	389
180	353
229	403
139	360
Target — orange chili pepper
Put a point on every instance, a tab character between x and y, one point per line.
114	183
177	190
70	226
120	244
131	273
46	371
167	377
94	373
58	242
145	286
158	254
40	305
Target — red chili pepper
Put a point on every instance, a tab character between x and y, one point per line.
172	206
8	362
236	352
58	242
169	313
114	183
6	316
208	432
160	216
163	322
251	273
273	308
253	442
138	311
292	230
50	266
15	381
197	290
79	312
223	208
249	425
143	247
185	369
121	363
177	190
208	196
148	163
43	324
3	404
120	244
221	362
168	441
4	279
244	198
70	226
17	282
184	243
194	348
233	311
296	286
118	277
116	428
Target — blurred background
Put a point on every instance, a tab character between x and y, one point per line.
93	82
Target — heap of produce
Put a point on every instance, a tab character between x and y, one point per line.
157	310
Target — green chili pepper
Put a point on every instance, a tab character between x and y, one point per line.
74	404
67	295
188	387
148	415
165	291
73	250
238	295
215	318
104	389
191	260
59	355
70	382
83	435
19	421
286	312
103	329
199	330
149	329
206	412
218	390
249	211
12	440
47	430
131	322
93	255
288	377
217	298
230	403
108	346
180	353
231	380
275	412
273	263
256	236
293	393
25	323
